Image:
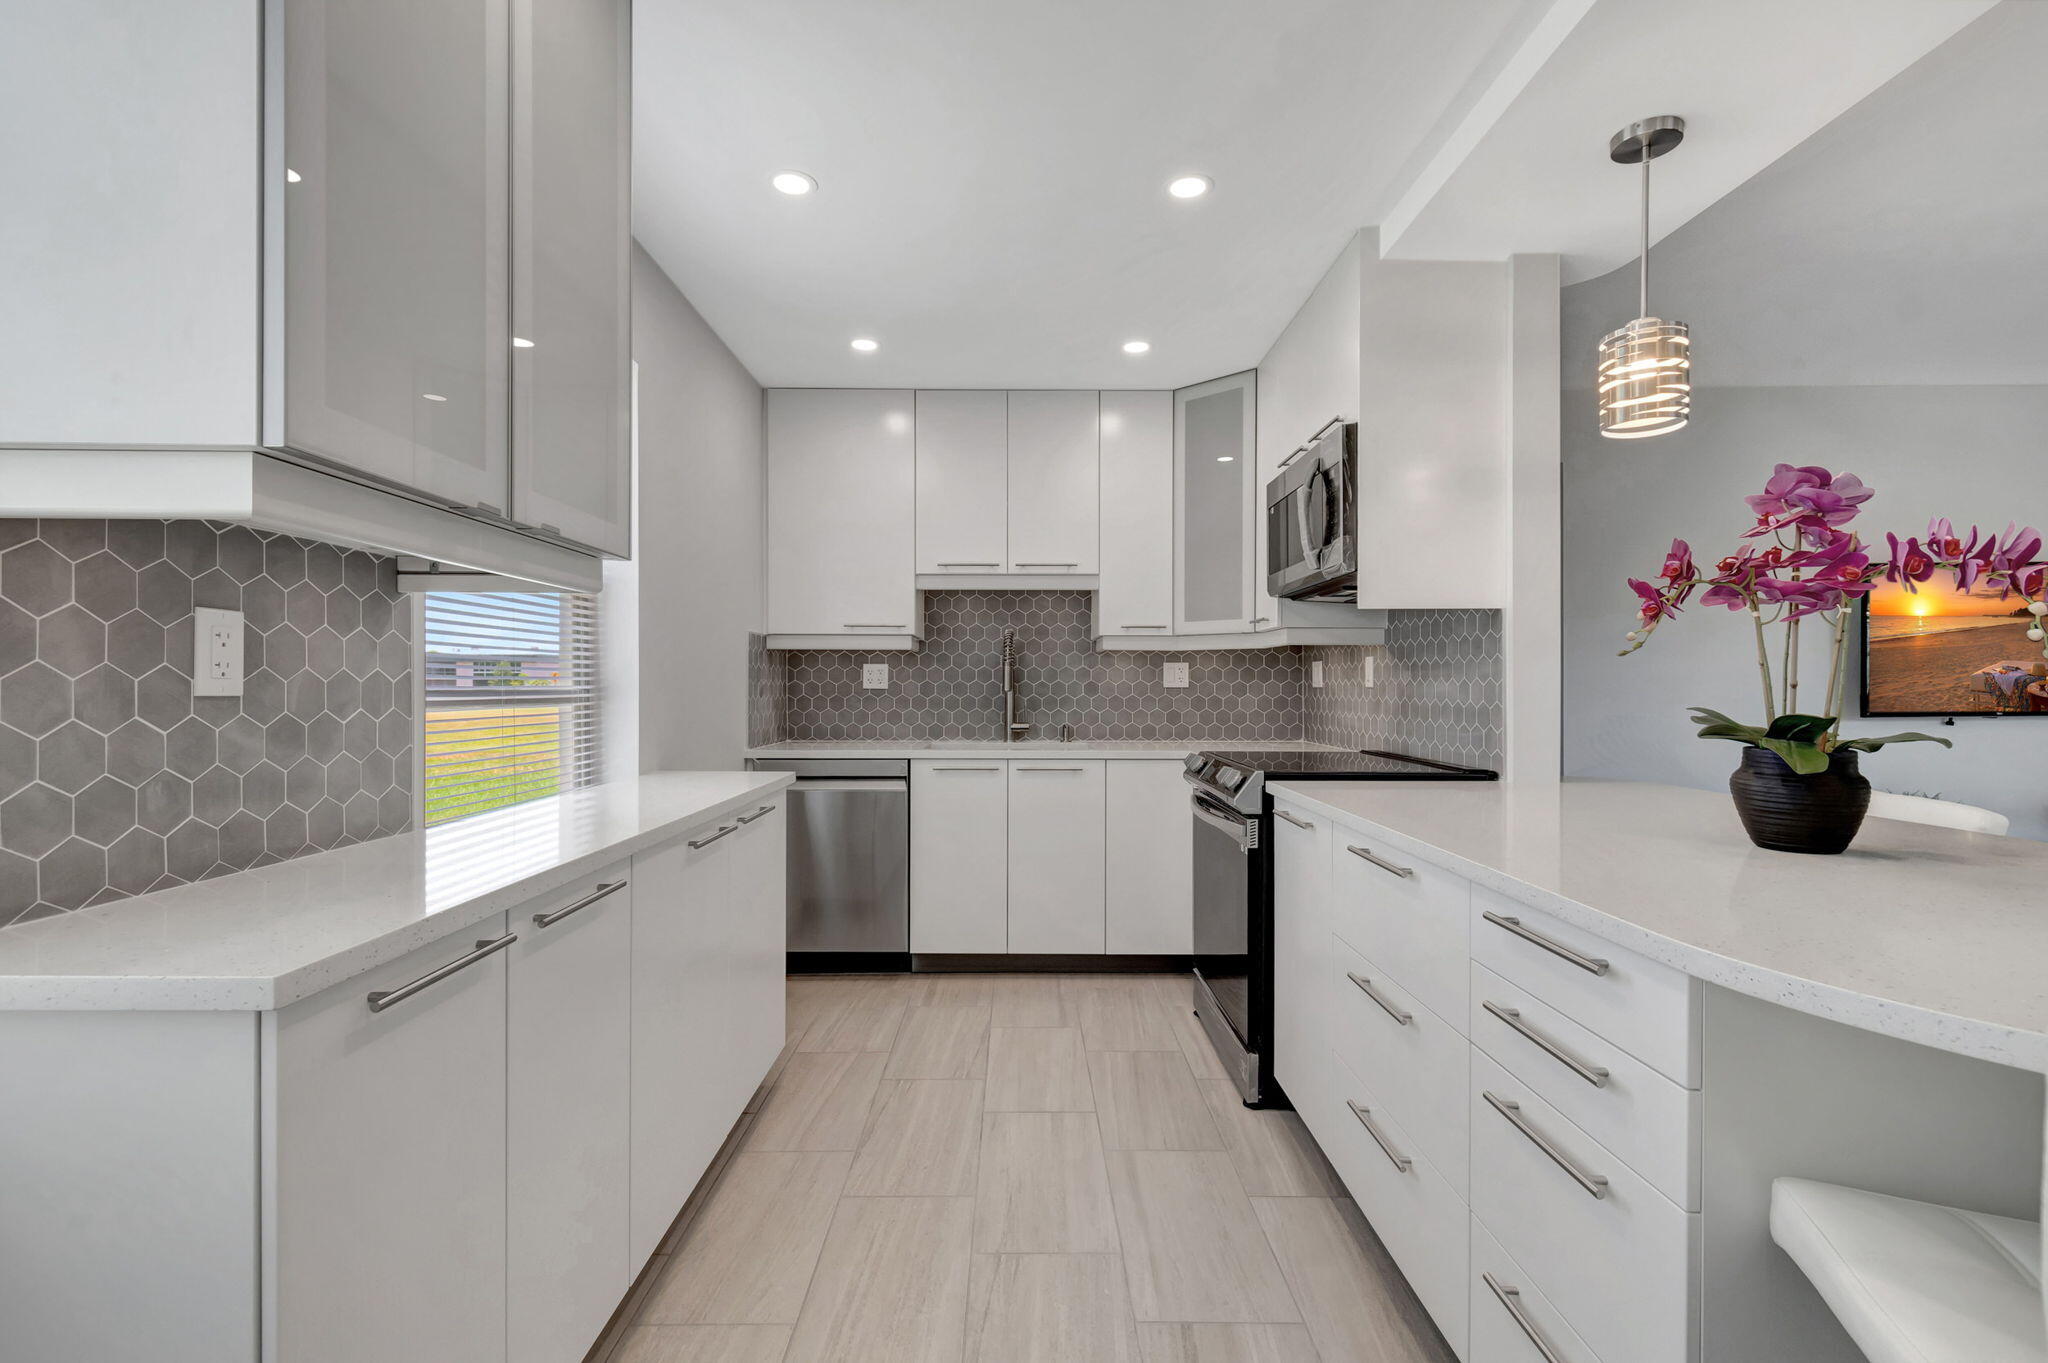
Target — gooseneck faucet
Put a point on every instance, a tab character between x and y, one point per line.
1012	730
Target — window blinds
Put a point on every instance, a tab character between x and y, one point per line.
511	702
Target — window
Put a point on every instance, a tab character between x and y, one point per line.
510	709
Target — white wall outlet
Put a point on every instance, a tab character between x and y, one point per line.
875	676
1176	675
1365	662
1315	672
216	652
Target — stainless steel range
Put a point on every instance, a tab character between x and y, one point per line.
1234	889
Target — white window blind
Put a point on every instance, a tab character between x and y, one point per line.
511	704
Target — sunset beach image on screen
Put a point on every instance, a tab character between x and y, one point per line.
1943	653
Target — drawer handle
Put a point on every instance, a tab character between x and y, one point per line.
1298	823
1052	769
1365	988
1141	627
1372	1129
1592	965
1511	1298
1048	565
1596	1184
874	627
548	920
966	768
763	812
696	843
970	565
1380	862
1596	1075
383	998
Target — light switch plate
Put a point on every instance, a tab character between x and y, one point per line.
875	676
216	652
1315	672
1176	675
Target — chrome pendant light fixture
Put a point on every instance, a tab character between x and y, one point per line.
1645	377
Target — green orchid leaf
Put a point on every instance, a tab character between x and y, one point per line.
1739	733
1803	758
1702	715
1801	728
1873	744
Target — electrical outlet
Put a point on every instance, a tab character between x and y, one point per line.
1315	672
875	676
1365	669
216	652
1176	675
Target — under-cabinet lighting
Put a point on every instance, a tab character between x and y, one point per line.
521	343
292	177
1226	458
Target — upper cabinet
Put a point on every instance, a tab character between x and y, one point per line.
1054	469
962	497
842	514
1135	595
1215	496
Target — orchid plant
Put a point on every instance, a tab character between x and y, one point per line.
1808	566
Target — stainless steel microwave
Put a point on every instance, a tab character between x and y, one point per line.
1312	519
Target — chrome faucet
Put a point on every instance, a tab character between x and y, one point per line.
1012	730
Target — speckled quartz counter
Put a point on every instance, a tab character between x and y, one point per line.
265	938
1927	934
1027	751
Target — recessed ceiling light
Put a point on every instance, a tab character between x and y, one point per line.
1226	458
521	343
793	182
864	343
1189	186
291	177
1136	347
433	397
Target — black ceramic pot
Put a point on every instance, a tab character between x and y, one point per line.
1787	812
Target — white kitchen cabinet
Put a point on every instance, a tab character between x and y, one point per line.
842	512
572	269
959	856
1135	595
1054	481
1056	857
568	1036
384	1205
388	258
1301	947
962	493
1149	861
754	945
1215	496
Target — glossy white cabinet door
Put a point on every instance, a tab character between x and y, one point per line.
390	275
842	511
680	895
384	1165
1054	482
1301	947
1136	592
1215	497
962	493
568	1030
571	269
959	856
1056	857
753	948
1150	859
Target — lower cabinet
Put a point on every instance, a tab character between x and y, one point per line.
959	857
1149	861
1057	843
1301	942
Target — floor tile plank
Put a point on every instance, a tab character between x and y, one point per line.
924	1140
941	1041
1030	1001
1043	1186
864	1025
1353	1299
1229	1344
1192	1244
748	1256
1057	1306
891	1283
1128	1016
1274	1154
704	1344
820	1101
1038	1069
1147	1100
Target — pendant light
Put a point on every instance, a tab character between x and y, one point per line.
1645	376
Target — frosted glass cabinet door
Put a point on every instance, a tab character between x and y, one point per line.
571	269
1215	466
391	270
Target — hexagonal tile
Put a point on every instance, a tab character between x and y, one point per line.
323	566
17	886
135	861
217	590
323	738
324	824
35	699
34	820
104	810
135	751
17	637
241	553
359	734
163	801
284	652
17	761
324	652
262	604
191	849
344	611
215	795
192	546
263	696
241	744
263	789
135	643
163	593
73	873
360	652
394	733
305	607
104	585
164	697
75	539
192	747
359	817
284	833
136	543
241	839
71	757
305	783
344	777
284	561
104	698
72	639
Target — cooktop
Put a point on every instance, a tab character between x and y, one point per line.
1240	777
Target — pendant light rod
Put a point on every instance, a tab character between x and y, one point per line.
1644	142
1643	284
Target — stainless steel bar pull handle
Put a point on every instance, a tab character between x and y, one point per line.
763	812
1298	823
545	920
1596	1075
1372	1129
1365	987
1592	965
1052	769
1048	565
970	565
1381	862
380	999
966	768
1292	457
874	627
1595	1184
696	843
1511	1298
1141	627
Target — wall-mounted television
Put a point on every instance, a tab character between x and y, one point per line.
1938	652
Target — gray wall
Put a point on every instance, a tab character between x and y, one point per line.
698	556
1859	304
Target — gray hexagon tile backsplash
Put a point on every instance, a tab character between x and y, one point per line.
114	779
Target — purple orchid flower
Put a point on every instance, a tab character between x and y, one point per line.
1910	564
1805	597
1653	606
1808	497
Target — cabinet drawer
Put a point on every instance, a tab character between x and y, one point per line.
1411	919
1616	1264
1646	1119
1648	1009
1421	1219
1512	1322
1416	1062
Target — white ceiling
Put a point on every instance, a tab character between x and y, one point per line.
991	203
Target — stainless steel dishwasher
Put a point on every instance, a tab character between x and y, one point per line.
849	862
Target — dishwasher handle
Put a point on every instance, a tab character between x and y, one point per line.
874	785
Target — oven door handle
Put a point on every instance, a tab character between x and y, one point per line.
1229	821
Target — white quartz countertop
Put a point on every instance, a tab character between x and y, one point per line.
264	938
1035	749
1927	934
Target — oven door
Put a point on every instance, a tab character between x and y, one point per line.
1227	883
